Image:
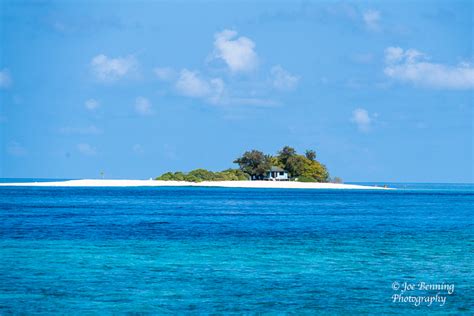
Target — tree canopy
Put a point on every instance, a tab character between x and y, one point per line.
301	167
200	175
254	163
310	154
286	153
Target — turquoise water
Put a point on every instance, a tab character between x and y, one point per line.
220	250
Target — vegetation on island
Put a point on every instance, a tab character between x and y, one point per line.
200	175
303	168
254	163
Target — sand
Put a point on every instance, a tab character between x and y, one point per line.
226	184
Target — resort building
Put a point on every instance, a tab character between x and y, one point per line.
274	174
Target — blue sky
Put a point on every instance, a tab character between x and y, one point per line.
383	91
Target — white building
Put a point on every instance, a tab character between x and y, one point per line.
276	174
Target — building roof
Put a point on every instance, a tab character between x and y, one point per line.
275	168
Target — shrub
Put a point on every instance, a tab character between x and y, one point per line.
192	178
166	176
199	175
306	179
202	174
179	176
235	175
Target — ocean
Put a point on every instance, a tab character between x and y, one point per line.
237	251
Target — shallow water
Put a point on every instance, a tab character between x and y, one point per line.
204	250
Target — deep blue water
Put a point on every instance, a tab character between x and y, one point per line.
217	250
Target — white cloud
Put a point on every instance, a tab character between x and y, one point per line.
217	90
362	119
191	84
86	149
165	73
393	54
237	52
413	66
88	130
397	54
214	91
92	104
5	79
143	106
111	69
372	19
282	79
16	149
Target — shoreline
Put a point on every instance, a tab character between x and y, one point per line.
222	184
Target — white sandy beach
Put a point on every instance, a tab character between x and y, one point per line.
225	184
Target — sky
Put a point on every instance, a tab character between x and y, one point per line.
382	91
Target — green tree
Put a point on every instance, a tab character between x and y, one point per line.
202	174
199	175
316	170
296	165
310	154
192	178
166	176
300	166
286	153
254	162
179	176
235	174
274	161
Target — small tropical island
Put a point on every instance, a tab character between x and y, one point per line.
254	165
285	170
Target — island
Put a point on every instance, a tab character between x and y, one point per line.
254	165
285	170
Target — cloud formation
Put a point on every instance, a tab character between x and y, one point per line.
91	104
237	52
111	69
165	73
86	149
282	79
413	66
143	106
362	119
5	79
371	19
191	84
